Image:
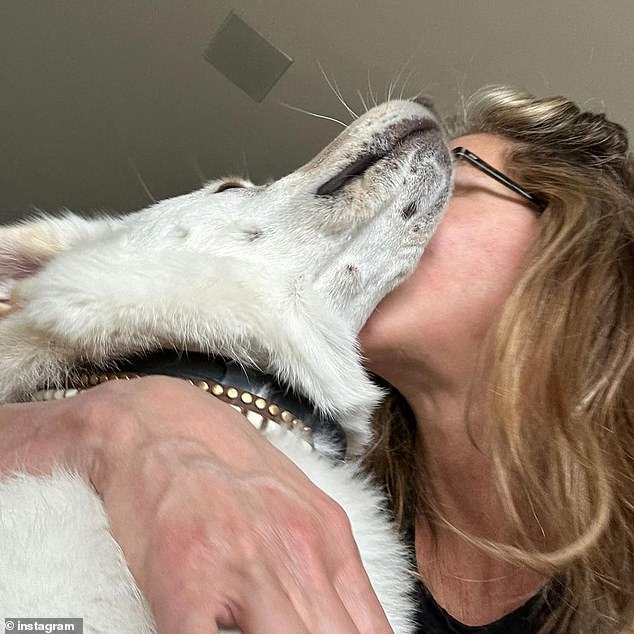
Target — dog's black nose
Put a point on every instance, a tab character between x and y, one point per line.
424	101
428	103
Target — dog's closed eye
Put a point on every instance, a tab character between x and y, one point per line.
229	185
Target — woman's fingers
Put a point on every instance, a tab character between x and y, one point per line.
266	608
356	593
325	578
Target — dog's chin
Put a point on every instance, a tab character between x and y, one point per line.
380	325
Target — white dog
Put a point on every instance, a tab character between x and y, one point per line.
279	278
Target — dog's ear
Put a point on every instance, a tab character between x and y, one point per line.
26	247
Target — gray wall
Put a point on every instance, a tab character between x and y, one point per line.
107	103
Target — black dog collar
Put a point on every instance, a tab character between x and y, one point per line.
246	387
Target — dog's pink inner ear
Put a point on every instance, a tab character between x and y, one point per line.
13	268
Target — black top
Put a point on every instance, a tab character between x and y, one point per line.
432	619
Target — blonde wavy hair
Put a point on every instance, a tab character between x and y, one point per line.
560	404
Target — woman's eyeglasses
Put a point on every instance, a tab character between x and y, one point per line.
460	152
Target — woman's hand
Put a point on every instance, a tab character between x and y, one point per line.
218	527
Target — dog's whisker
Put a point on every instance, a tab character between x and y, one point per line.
312	114
198	171
371	94
365	105
143	184
406	82
391	86
335	89
344	102
400	72
245	166
462	82
418	94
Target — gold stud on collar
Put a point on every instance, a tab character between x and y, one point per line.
256	409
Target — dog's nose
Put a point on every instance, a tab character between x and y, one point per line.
424	101
428	103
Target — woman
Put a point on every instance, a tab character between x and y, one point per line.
506	445
512	347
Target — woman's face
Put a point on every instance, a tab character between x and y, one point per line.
440	316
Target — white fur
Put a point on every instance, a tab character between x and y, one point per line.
278	277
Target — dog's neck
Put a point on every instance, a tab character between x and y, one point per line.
247	388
